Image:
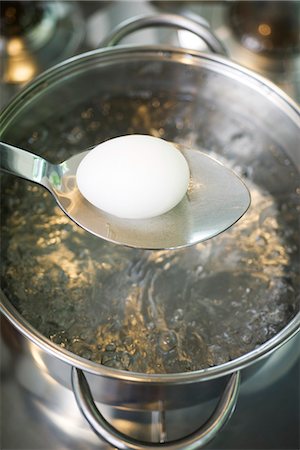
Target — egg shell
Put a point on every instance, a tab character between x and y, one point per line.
134	176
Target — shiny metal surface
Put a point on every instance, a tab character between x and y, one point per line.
197	439
178	387
245	437
35	401
245	96
165	20
216	199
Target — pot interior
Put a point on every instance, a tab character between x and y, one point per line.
163	311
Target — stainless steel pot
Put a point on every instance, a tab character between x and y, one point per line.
209	80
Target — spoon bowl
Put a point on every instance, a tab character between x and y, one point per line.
215	200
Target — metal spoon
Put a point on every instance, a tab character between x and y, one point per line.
215	200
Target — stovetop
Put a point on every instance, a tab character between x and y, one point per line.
267	415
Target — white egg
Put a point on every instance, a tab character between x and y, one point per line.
134	176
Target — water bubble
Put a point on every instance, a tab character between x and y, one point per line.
85	352
94	125
246	336
218	354
178	315
126	360
179	123
133	320
155	103
88	113
101	295
108	359
167	341
75	135
110	347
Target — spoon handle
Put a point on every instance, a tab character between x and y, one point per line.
23	164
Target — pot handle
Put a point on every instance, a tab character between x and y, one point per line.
193	441
165	20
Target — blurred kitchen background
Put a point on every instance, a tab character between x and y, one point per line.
261	35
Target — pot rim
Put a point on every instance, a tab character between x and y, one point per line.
25	328
266	87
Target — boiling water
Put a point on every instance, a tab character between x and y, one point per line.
145	311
